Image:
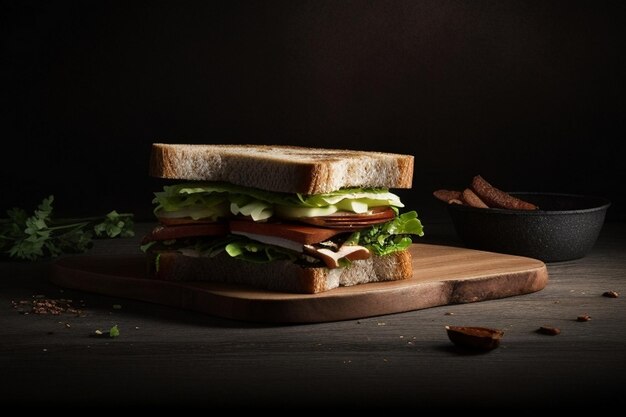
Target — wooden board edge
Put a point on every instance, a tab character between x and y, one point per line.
308	310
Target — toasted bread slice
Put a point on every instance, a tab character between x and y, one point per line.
287	169
283	276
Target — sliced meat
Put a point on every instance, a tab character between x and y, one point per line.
302	234
188	230
179	221
331	258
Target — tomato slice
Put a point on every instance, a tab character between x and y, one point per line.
351	221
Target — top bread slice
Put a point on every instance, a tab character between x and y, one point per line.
288	169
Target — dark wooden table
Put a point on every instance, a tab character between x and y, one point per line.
166	356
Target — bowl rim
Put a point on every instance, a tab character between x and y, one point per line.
605	204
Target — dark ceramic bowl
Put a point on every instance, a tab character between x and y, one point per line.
565	227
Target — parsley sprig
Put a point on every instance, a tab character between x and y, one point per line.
40	236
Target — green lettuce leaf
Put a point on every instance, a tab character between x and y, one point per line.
253	251
372	197
393	236
172	203
215	200
248	206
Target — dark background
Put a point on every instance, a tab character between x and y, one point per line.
530	94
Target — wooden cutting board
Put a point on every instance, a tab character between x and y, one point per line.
441	275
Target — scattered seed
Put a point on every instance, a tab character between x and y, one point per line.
551	331
585	317
98	331
38	304
610	294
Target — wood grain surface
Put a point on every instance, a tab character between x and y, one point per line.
167	356
441	275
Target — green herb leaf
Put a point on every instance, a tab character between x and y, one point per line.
114	331
39	235
114	225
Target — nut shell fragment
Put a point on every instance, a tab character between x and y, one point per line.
550	331
479	338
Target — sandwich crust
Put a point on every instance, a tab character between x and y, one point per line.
283	276
287	169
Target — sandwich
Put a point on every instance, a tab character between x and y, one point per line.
282	218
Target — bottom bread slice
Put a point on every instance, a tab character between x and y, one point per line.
281	276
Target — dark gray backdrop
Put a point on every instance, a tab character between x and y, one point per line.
530	94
